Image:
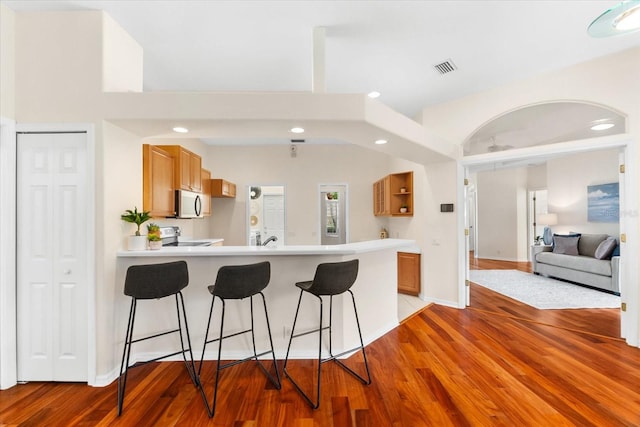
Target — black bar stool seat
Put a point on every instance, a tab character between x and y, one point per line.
155	281
330	279
236	282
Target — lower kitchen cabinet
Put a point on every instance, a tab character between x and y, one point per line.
408	273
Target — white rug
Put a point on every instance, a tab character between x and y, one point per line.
542	292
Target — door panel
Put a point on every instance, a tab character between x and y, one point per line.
52	275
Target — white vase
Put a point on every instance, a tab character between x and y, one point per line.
403	210
155	244
137	243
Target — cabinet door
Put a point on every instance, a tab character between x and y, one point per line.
185	170
157	181
206	192
188	167
222	188
381	197
408	273
195	172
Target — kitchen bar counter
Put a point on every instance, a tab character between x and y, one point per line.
198	251
375	290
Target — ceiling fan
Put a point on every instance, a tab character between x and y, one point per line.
495	147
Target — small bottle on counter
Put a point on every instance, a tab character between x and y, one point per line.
383	233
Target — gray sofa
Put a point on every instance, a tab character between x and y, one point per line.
582	268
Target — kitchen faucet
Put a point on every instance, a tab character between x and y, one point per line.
270	239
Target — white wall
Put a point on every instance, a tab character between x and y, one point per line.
502	215
7	62
440	245
301	175
610	81
58	66
122	59
568	179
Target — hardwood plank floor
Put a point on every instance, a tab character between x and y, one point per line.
604	322
494	364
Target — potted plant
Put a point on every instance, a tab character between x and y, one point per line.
404	208
153	236
538	240
136	242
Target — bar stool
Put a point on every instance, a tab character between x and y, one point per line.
330	279
155	281
237	282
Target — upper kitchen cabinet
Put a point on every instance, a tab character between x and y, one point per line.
188	173
381	197
157	181
206	192
222	188
393	195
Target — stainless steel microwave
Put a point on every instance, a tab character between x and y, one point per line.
188	204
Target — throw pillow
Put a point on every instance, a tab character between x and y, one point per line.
605	249
570	234
567	245
616	251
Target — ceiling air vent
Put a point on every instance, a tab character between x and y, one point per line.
445	67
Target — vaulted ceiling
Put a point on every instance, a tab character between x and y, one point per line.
385	46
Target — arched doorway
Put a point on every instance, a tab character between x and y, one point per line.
520	137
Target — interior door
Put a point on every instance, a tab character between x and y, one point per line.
273	217
51	257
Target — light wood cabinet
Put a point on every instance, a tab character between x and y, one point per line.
393	193
381	197
222	188
408	273
206	192
157	181
188	173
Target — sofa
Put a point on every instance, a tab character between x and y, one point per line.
586	259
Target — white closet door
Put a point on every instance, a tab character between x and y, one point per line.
51	257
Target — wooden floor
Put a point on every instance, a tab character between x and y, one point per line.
497	363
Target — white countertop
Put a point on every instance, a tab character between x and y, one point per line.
204	251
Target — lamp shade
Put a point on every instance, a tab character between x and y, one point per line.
548	219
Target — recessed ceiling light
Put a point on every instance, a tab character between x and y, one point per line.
373	94
297	130
621	19
602	126
180	129
381	141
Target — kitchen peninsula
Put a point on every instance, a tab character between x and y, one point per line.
375	291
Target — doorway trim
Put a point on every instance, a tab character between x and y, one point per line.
8	331
628	222
8	343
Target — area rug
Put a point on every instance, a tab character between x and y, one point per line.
542	292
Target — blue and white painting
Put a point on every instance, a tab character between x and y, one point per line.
603	203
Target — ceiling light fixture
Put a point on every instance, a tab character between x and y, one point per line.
621	19
180	129
381	141
373	94
297	130
602	126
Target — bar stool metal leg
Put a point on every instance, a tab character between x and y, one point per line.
211	407
330	279
126	353
153	282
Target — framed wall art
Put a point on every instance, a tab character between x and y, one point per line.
603	203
